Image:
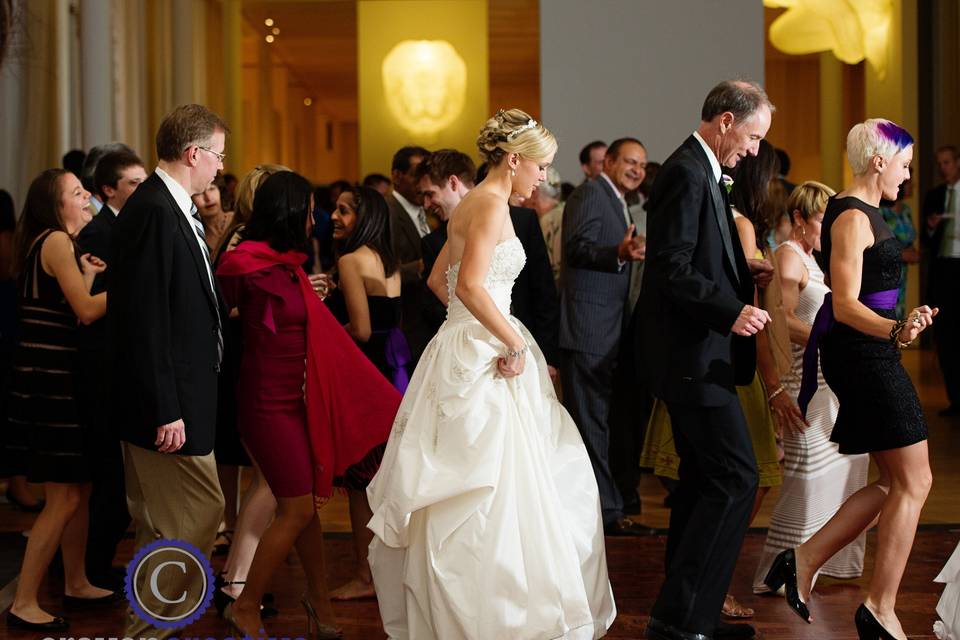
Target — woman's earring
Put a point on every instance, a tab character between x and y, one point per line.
513	172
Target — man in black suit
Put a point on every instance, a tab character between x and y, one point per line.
940	235
116	177
444	178
164	322
598	245
408	224
697	290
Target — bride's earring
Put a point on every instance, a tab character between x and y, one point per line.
513	172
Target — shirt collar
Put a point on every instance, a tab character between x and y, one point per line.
711	156
408	206
612	186
176	189
113	209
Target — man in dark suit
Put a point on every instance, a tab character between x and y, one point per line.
164	322
697	290
116	177
598	243
445	177
940	235
408	224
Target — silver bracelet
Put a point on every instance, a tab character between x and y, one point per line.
516	354
775	393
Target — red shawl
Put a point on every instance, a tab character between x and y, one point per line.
350	405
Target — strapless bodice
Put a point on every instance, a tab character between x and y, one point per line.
505	265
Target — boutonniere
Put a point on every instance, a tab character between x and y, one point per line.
727	182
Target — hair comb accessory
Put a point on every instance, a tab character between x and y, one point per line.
531	123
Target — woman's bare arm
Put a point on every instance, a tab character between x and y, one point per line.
437	280
793	276
58	258
355	296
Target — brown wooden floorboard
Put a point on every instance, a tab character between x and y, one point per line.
635	564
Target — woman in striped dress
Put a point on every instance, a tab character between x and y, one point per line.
44	438
816	478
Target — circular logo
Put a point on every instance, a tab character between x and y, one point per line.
169	583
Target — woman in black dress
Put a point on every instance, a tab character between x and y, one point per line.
860	356
44	438
367	303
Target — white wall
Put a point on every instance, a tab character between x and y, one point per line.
641	68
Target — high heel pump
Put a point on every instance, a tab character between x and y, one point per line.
783	573
868	627
324	631
221	598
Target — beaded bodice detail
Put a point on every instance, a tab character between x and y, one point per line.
505	265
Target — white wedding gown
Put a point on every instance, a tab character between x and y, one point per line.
485	509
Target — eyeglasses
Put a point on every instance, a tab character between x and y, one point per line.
220	156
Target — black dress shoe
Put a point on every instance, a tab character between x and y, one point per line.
627	527
728	630
783	573
868	627
74	602
631	503
16	622
657	630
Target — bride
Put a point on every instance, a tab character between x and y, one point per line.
486	517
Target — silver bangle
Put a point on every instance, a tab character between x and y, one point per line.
516	354
775	393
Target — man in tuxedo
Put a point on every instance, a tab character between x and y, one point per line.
940	235
591	159
444	178
598	245
697	290
117	176
164	322
408	224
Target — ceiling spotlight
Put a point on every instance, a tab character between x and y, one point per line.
307	102
276	31
269	38
268	22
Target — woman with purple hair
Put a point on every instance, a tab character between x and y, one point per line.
860	339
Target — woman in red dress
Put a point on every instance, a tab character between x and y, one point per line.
304	437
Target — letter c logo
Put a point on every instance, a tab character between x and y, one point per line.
155	588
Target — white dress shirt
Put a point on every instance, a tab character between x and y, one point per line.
416	214
185	203
950	245
711	156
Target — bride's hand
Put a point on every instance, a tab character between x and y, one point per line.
511	366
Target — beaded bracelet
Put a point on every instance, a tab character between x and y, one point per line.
516	354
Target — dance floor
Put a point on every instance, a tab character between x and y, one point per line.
635	564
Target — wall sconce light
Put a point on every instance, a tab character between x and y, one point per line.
853	30
425	83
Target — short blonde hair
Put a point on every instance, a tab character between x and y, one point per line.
248	187
874	137
511	131
808	198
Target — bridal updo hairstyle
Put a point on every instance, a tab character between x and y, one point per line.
507	132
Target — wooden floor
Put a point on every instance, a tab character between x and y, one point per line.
635	564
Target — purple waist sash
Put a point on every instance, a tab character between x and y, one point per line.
880	300
398	357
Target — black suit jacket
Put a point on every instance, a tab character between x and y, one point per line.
695	283
95	239
594	287
162	320
534	299
934	202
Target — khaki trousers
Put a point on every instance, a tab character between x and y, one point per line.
174	497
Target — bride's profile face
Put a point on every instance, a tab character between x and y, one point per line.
531	173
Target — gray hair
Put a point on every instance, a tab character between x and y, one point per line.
740	97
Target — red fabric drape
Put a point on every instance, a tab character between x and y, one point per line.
350	404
